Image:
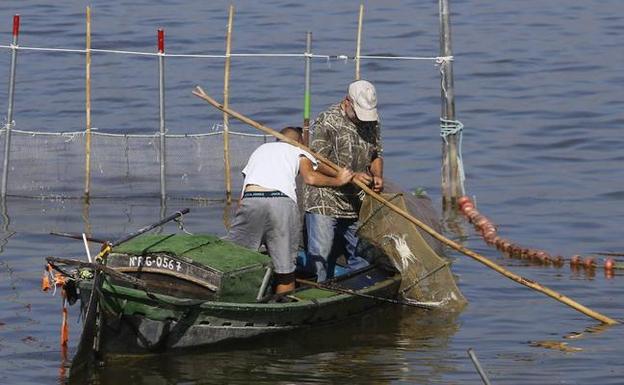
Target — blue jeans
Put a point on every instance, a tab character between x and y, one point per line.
329	237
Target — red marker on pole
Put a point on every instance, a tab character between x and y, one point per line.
16	19
161	40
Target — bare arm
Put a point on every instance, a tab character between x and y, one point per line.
325	169
318	179
376	169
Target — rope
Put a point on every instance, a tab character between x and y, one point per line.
73	134
450	127
180	221
437	59
454	127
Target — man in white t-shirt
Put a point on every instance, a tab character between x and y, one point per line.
268	211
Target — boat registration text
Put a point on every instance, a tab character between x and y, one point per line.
155	261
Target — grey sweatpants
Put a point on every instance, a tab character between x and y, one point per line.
272	221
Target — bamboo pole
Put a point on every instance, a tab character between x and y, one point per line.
9	124
514	277
451	181
306	96
161	105
226	102
88	107
359	43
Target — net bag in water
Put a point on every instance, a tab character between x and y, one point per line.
426	275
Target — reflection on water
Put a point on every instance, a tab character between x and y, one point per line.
348	352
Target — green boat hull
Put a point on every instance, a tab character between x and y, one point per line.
135	321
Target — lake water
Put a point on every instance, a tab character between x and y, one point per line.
539	87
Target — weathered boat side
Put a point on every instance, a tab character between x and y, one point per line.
134	321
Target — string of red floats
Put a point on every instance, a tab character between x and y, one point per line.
488	231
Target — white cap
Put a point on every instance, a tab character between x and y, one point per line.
364	100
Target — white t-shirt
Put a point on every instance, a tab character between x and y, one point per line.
275	166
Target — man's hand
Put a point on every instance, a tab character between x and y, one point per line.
374	182
344	176
363	177
377	184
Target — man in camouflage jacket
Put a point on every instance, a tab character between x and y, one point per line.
348	134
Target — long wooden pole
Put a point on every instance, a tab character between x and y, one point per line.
226	102
359	42
88	108
514	277
451	182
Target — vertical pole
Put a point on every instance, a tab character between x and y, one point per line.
88	107
9	124
226	103
306	96
161	93
451	183
359	43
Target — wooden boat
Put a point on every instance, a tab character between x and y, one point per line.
201	290
155	293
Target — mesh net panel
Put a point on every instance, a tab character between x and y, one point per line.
53	164
426	276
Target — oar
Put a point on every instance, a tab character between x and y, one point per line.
125	238
77	236
149	227
521	280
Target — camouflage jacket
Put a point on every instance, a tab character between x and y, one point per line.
335	137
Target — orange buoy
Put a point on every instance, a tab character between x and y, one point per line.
466	206
546	259
575	260
489	232
589	263
481	221
45	279
558	261
64	328
461	201
609	264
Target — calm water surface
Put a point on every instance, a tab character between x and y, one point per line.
539	89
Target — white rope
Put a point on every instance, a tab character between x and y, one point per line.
437	59
450	127
455	127
71	135
21	48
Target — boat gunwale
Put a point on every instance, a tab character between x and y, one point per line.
140	295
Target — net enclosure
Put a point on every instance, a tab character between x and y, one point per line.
52	164
426	273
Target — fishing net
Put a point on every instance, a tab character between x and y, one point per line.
46	164
426	275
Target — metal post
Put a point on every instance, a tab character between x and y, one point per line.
451	181
226	103
161	93
306	96
88	107
477	364
9	123
359	43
